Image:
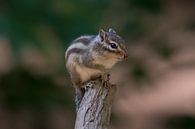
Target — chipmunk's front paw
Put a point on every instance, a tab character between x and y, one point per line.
106	83
106	80
90	84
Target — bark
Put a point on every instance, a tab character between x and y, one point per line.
95	108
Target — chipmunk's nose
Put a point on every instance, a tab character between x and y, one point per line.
123	54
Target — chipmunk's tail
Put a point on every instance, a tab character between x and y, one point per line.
79	93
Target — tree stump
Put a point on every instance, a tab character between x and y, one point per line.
95	108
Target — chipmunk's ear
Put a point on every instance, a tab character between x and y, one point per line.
112	31
103	35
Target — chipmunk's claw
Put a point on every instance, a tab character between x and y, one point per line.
106	81
90	84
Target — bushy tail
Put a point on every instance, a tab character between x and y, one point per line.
78	97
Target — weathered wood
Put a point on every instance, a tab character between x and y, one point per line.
95	108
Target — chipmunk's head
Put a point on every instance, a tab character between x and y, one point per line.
113	44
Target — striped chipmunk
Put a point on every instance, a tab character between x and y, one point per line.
92	56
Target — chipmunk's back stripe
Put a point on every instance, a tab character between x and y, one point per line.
73	50
76	45
85	40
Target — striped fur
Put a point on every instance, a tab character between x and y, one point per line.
85	40
79	45
90	56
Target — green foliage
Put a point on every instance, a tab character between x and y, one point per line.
152	6
162	48
135	28
20	19
191	25
139	73
181	122
21	89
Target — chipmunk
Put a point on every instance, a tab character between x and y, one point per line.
92	56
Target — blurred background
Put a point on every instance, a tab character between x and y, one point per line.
156	84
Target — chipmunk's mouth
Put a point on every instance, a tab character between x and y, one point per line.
122	57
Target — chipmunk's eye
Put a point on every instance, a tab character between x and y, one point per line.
113	45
